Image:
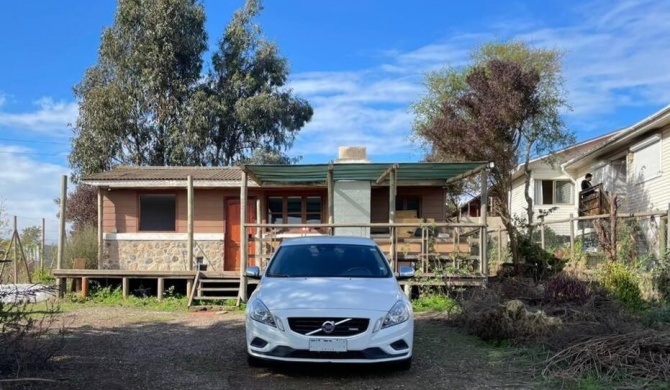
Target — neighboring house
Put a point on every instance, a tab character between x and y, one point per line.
634	164
144	210
629	162
554	191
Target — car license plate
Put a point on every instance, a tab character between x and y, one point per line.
328	345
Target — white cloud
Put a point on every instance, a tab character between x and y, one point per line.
29	187
616	56
50	117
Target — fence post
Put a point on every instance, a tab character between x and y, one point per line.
662	244
667	231
572	234
542	231
499	245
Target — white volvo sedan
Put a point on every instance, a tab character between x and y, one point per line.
329	299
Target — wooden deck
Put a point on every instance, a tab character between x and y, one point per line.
80	279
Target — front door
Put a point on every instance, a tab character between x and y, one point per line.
231	261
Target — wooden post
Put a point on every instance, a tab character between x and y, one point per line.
160	289
483	219
42	246
100	241
331	200
61	228
243	238
259	257
662	234
16	258
572	234
392	229
499	245
667	230
125	286
542	231
84	287
189	201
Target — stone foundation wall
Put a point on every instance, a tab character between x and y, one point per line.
160	255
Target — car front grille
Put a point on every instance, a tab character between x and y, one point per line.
304	325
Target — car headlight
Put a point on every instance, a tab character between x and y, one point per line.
398	314
259	312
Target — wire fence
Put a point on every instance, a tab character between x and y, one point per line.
28	246
640	239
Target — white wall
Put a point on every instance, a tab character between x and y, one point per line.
544	171
351	201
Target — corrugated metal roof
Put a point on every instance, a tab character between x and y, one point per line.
124	173
317	173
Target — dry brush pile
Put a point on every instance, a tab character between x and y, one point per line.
585	333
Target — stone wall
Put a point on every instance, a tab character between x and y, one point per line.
160	255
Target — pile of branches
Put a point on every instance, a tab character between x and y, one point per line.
642	355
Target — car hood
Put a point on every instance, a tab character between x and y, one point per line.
329	293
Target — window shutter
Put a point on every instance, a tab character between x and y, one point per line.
647	162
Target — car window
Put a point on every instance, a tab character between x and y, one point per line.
329	260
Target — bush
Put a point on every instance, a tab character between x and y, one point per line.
622	284
539	263
83	244
28	340
564	288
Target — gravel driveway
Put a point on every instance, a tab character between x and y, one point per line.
123	348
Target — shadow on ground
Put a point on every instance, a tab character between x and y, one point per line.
207	352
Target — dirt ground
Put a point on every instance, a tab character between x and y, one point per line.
123	348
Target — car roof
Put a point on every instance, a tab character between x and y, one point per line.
315	240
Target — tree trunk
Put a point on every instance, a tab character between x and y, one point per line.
526	190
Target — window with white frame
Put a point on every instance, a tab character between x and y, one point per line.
553	192
647	159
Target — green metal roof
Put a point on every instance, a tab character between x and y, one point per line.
317	173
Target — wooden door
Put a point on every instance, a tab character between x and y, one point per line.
231	261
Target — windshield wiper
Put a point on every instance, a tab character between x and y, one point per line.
279	276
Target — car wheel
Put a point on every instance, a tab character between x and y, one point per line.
403	365
253	361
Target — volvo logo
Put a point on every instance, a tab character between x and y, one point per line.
328	327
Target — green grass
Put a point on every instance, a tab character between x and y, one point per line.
114	297
435	303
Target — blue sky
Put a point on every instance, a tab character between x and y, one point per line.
359	62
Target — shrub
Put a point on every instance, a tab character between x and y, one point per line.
28	340
83	244
564	288
540	264
622	284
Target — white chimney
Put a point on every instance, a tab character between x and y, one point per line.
351	154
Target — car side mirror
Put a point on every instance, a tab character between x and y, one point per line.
253	272
405	273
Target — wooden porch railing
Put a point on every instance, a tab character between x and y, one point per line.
593	201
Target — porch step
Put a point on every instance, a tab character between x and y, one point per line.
220	289
210	298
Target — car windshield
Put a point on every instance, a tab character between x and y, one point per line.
329	260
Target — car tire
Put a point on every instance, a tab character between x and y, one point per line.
253	361
403	365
